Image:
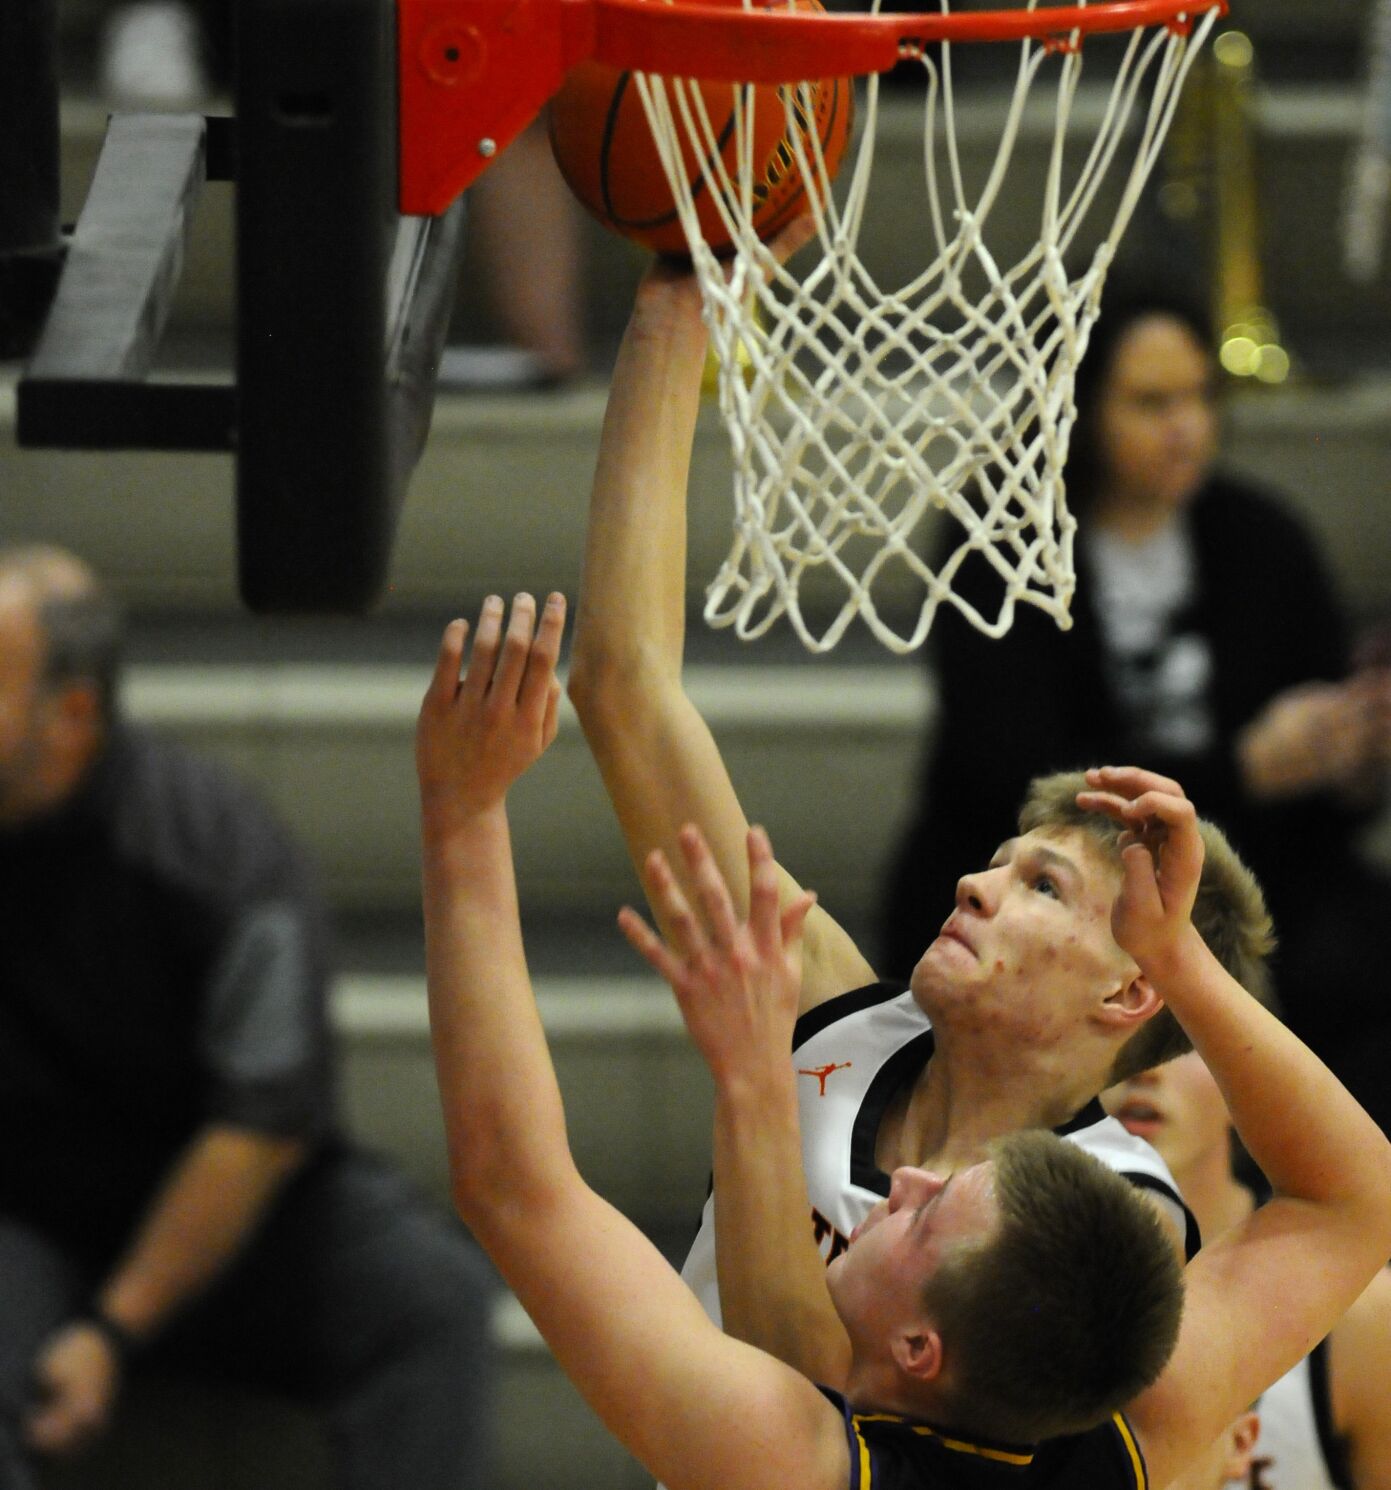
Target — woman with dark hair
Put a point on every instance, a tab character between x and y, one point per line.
1206	643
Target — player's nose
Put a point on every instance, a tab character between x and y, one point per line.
910	1186
979	892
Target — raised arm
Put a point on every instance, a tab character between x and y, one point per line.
700	1410
658	759
772	1276
1262	1295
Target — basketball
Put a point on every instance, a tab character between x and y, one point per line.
605	150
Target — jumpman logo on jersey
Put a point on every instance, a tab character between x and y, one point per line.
822	1072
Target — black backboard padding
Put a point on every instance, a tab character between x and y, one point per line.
318	481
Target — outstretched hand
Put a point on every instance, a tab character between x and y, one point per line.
1161	857
736	982
670	277
476	735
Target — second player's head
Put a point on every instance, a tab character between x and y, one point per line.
1026	1297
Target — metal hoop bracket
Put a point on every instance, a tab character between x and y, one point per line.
474	73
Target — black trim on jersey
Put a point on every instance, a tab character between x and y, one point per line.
841	1007
1092	1112
904	1066
1332	1444
901	1069
1192	1237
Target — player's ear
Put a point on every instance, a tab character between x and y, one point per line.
1133	1002
919	1355
1244	1432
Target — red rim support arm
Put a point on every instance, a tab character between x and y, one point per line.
475	73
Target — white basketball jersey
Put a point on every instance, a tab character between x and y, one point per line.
853	1054
1297	1448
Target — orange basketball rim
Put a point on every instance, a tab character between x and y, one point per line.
474	73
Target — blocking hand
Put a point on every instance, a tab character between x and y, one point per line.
476	736
1161	856
736	982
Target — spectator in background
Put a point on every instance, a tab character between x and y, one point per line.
1325	1424
1208	645
173	1186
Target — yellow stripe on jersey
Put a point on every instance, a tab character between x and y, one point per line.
864	1455
1137	1459
1000	1456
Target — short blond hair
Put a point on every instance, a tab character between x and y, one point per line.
1229	913
1066	1309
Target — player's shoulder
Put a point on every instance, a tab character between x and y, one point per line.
881	1010
1095	1130
189	820
1134	1159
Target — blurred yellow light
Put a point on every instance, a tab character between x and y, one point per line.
1233	49
1238	355
1272	363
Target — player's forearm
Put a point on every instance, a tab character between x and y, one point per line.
207	1209
502	1112
633	597
1304	1130
772	1277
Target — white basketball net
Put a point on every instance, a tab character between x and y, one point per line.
855	410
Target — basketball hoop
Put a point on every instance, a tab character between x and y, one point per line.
856	410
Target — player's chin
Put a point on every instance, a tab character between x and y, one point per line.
938	973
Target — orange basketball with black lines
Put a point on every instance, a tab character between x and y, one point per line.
606	153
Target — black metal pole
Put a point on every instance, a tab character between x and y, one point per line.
28	125
30	238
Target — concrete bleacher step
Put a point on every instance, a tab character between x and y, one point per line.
637	1097
1303	127
500	499
330	746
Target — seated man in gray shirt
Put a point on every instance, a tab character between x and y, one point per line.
173	1186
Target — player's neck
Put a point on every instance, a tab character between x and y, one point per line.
873	1384
958	1105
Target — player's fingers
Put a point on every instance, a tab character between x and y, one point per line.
516	647
794	919
444	682
1131	781
796	235
483	656
764	922
1162	806
542	660
672	907
1141	884
710	886
649	946
551	721
1109	804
